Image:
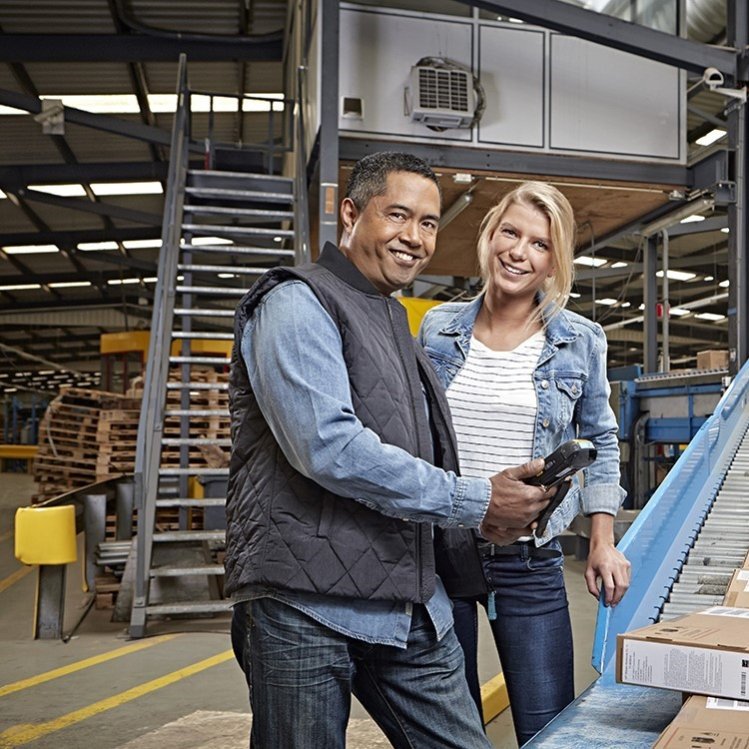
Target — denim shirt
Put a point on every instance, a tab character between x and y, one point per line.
572	392
292	350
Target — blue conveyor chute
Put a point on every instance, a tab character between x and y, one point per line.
609	715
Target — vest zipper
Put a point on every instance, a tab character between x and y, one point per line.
419	528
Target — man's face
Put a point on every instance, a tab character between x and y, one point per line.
392	239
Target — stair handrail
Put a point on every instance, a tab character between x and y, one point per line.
301	204
148	449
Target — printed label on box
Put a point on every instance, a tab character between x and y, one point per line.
726	611
691	669
721	703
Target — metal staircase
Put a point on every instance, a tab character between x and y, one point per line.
222	229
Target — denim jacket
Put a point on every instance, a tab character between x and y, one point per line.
573	398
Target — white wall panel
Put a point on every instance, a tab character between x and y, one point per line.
511	62
377	52
607	101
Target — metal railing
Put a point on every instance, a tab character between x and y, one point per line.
301	205
148	449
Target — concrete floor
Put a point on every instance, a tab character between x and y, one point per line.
180	688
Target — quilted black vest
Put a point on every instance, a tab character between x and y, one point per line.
286	531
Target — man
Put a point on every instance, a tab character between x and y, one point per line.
343	460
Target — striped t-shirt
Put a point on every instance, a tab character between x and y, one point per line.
493	405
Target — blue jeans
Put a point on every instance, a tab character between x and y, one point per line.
532	633
302	675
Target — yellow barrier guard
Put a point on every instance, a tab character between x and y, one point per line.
46	535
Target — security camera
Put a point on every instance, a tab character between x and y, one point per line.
713	78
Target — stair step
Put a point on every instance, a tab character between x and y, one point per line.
195	335
197	386
182	536
230	179
192	502
258	214
214	290
176	571
193	471
223	193
203	312
189	607
217	229
196	412
195	441
238	270
234	249
215	360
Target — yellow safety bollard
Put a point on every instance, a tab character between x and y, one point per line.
46	535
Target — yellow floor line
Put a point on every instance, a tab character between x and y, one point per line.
494	698
71	668
5	583
23	734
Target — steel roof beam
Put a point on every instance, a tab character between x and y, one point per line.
107	123
135	48
100	208
19	175
72	238
615	33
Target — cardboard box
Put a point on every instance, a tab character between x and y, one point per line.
737	594
712	359
708	723
701	653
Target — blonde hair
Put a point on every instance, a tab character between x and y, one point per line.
552	203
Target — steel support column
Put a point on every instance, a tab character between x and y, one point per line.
50	602
650	323
328	208
738	217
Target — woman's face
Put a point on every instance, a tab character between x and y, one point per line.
520	253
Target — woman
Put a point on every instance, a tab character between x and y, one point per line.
524	375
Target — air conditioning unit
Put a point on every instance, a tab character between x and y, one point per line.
441	97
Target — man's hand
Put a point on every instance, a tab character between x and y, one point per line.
514	505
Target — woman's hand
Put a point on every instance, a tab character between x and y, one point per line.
606	566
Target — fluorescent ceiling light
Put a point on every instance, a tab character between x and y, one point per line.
726	230
708	278
121	281
91	246
678	311
31	249
641	307
594	262
198	241
227	275
20	287
677	275
607	301
141	244
692	219
62	191
151	279
68	284
3	196
626	304
620	264
574	295
99	103
724	284
127	188
710	138
711	316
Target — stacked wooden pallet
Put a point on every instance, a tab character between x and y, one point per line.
90	435
68	440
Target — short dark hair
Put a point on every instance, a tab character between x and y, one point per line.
369	175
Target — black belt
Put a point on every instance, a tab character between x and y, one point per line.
488	549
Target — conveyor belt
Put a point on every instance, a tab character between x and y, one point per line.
684	546
720	546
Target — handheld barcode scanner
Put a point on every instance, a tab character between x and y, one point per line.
563	463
